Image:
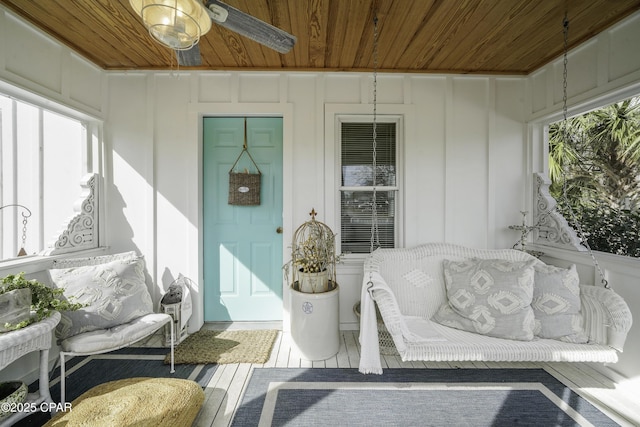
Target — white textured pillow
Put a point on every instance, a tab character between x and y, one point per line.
556	304
490	297
115	291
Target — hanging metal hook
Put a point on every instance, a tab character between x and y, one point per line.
370	287
26	215
18	206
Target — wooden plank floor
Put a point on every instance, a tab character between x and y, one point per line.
225	390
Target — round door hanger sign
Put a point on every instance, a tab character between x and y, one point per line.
307	307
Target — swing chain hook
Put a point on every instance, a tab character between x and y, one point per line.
370	285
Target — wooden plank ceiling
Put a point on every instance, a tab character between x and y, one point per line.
432	36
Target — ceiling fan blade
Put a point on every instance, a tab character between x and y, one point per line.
189	57
250	27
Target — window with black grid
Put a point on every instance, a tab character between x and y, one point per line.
357	185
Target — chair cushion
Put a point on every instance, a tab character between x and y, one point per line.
104	340
490	297
556	304
113	287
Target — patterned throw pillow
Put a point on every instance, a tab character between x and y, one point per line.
556	304
115	291
489	297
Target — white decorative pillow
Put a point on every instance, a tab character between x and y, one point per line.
556	304
115	291
489	297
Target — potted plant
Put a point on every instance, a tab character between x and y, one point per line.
314	290
11	394
313	257
23	302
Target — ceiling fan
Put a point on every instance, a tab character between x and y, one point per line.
178	24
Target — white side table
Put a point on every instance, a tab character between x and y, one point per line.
16	344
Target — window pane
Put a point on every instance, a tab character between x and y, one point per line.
63	142
357	154
356	220
41	156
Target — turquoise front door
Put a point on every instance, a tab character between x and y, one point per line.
242	247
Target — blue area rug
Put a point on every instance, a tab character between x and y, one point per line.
413	397
84	373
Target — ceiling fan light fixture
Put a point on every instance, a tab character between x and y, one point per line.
177	24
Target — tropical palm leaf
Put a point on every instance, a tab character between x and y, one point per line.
594	166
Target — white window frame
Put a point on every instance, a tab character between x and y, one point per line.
398	119
91	163
539	144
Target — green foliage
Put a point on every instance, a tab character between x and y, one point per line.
44	300
607	229
594	164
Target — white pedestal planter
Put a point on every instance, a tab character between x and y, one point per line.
315	323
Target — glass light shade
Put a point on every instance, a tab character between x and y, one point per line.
177	24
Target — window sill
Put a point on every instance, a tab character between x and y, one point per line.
353	259
622	263
34	263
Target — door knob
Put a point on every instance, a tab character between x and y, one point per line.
279	230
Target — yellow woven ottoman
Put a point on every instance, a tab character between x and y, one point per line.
136	402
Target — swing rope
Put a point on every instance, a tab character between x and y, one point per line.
565	136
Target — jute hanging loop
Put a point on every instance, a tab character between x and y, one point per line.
244	187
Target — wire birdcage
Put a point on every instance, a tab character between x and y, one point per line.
313	257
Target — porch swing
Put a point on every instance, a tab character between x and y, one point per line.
408	287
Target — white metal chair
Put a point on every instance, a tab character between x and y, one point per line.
119	311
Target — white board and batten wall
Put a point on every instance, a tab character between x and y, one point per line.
470	146
454	182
